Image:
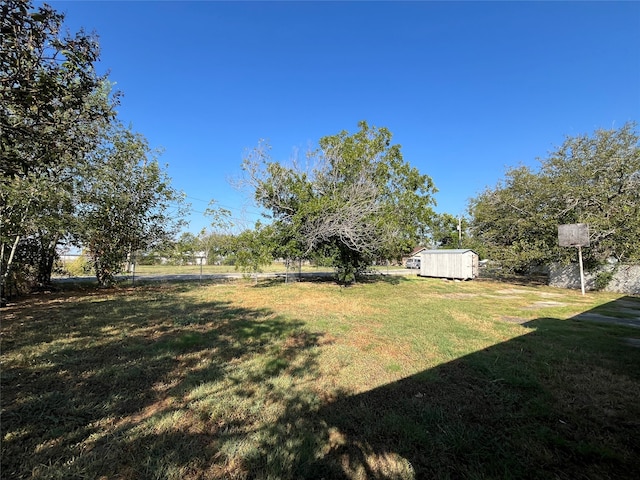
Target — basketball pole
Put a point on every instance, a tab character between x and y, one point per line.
575	235
581	268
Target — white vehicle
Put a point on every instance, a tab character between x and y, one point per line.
413	263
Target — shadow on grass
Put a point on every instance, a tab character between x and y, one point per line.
515	279
376	277
89	284
153	386
326	278
107	385
560	401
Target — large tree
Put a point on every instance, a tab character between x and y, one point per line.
127	203
53	106
358	199
445	231
593	179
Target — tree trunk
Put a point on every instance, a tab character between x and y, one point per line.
46	260
7	269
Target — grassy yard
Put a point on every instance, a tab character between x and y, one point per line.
398	379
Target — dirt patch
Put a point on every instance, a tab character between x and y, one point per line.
549	295
460	295
507	291
547	304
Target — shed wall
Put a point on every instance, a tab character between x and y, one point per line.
456	265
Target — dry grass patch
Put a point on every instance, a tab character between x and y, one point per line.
322	299
420	379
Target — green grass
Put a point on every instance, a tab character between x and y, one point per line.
410	378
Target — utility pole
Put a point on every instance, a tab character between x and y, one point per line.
459	231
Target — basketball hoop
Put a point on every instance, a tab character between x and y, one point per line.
575	235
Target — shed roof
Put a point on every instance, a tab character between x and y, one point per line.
445	250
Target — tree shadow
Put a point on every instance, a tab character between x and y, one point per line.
530	280
559	401
158	385
324	278
81	379
380	277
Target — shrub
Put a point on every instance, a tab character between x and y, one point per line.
78	267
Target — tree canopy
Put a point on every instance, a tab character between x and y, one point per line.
56	119
592	179
53	106
356	199
443	231
51	95
125	199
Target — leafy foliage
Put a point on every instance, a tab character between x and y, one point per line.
217	245
355	201
254	249
67	170
443	231
589	179
77	267
48	89
53	107
125	202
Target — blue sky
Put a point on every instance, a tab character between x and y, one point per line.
467	88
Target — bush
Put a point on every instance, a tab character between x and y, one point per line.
603	278
78	267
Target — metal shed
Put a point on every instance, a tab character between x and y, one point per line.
459	264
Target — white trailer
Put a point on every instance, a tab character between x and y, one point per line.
461	264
